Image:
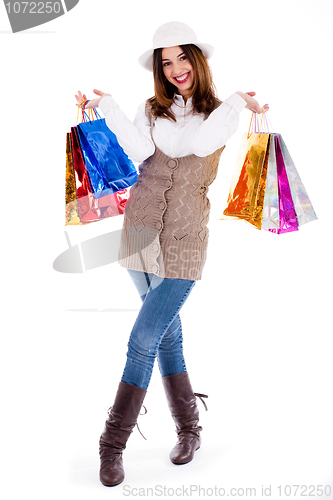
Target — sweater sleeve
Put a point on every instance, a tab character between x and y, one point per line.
221	124
134	137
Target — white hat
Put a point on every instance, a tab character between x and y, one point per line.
172	35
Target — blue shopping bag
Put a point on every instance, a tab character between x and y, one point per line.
109	168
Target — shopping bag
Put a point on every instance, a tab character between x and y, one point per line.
287	215
83	204
71	208
109	168
271	212
267	192
246	195
303	206
87	209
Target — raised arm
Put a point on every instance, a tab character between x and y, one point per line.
222	123
134	137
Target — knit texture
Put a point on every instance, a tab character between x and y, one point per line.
165	221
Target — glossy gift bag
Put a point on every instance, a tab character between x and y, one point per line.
71	207
97	185
266	189
109	168
85	201
248	184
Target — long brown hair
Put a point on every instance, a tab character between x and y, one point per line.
203	92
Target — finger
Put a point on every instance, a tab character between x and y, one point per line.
82	97
98	92
251	93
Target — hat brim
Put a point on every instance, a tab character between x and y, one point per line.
146	60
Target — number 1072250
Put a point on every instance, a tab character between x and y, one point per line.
33	7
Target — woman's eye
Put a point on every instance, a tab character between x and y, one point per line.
166	64
183	58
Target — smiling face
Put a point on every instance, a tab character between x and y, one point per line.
177	69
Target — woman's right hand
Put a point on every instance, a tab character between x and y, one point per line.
94	102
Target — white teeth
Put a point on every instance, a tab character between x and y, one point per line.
181	78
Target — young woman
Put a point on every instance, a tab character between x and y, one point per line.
178	136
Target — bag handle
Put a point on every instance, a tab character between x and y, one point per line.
255	124
87	117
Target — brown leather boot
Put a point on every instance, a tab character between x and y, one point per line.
182	403
122	418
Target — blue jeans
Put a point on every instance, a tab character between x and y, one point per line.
157	331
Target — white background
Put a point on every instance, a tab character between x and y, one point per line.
257	328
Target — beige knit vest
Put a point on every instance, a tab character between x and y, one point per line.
165	221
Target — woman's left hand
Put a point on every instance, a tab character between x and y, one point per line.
251	103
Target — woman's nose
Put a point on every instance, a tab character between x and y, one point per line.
177	69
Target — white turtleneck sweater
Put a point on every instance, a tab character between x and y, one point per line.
191	134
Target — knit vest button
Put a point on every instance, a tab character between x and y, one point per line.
172	163
154	268
156	247
168	183
203	189
161	206
158	225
